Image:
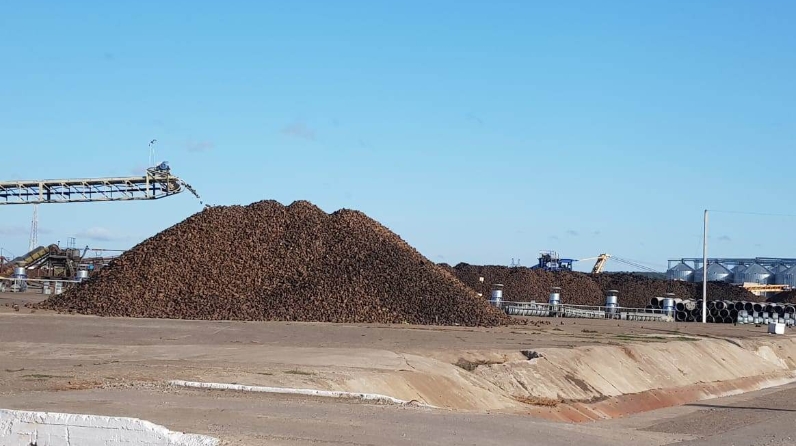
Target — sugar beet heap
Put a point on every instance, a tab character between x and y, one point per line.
266	261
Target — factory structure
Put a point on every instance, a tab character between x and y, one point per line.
761	275
50	268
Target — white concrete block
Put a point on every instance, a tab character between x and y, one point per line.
23	428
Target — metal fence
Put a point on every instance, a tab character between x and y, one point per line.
542	309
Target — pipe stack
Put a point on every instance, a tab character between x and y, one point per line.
729	311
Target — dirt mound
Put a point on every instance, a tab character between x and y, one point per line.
267	261
783	297
524	284
635	291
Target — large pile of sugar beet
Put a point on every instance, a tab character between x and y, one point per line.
266	261
635	290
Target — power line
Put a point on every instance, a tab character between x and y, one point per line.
764	214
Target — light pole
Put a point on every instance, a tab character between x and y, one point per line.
705	269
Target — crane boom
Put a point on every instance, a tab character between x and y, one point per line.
600	264
158	182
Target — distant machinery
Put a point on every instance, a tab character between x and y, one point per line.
158	182
54	262
550	261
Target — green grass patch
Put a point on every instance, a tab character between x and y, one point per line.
40	376
299	372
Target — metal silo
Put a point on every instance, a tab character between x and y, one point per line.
787	277
716	273
682	272
757	274
737	273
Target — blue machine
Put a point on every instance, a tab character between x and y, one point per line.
550	261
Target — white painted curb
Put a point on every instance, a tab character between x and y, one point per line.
23	428
308	392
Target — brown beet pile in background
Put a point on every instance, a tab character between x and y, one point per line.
783	297
525	284
267	261
635	291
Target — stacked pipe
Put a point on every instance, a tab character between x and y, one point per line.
728	311
267	261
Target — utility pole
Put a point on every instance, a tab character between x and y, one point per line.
152	152
705	269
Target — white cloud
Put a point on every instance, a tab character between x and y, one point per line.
299	130
14	230
199	146
100	234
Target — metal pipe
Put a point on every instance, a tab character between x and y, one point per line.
724	313
679	306
654	302
768	308
710	319
711	305
720	305
680	316
733	314
728	320
757	308
749	307
740	305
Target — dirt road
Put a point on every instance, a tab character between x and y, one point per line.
105	366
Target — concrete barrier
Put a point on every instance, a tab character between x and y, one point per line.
23	428
374	397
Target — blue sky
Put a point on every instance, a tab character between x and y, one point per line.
478	131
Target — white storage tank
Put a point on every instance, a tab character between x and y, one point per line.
716	273
787	277
757	273
497	295
681	272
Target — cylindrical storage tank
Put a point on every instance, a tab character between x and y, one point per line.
716	273
737	273
612	301
555	296
497	294
786	277
682	272
668	306
82	275
756	274
20	272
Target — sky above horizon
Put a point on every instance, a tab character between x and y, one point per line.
480	132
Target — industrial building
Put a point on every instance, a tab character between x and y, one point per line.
761	275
